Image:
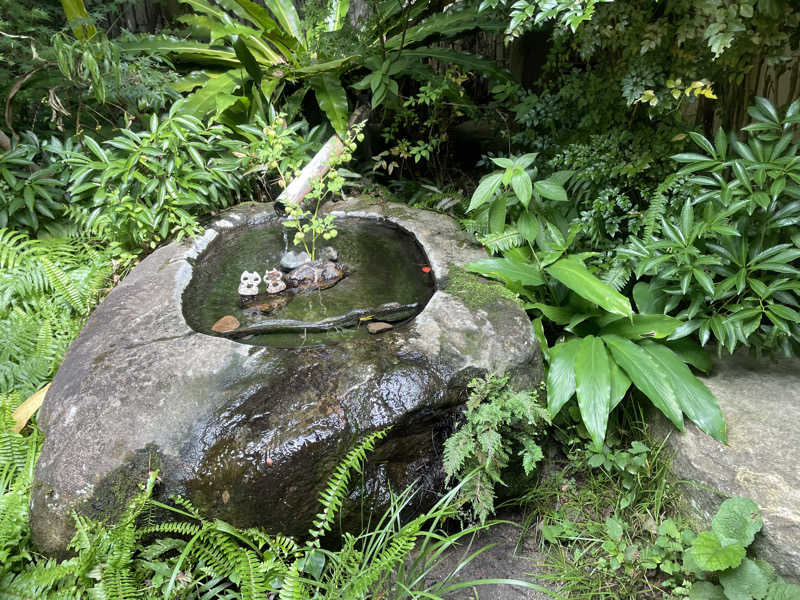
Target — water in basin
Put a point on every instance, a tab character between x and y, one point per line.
384	264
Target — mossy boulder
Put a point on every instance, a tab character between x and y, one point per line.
251	433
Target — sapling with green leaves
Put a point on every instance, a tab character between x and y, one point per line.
310	225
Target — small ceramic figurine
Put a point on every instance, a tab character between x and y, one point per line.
274	281
248	283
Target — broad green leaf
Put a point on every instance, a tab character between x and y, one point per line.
550	190
705	590
643	326
508	270
521	184
557	314
691	353
620	383
648	302
573	274
593	386
749	580
243	54
710	555
497	214
471	62
337	13
75	10
538	332
737	520
204	100
485	191
561	375
647	375
332	100
780	590
287	17
696	400
528	226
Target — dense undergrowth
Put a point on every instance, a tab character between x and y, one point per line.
635	196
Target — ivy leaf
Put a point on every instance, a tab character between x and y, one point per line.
737	521
710	555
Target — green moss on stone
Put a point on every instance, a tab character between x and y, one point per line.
476	291
114	492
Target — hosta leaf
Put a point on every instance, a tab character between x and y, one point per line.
647	375
573	274
737	520
696	400
561	375
593	386
711	555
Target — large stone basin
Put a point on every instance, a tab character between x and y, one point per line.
250	433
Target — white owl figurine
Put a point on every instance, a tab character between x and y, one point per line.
248	283
274	281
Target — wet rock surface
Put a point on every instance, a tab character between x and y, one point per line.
251	433
760	400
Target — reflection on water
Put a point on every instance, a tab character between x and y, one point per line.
384	264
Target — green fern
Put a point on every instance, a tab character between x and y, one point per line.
334	494
503	241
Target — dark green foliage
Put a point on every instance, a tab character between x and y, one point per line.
47	288
500	430
725	262
31	186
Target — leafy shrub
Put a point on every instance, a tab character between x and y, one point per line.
142	186
726	265
31	186
499	423
609	348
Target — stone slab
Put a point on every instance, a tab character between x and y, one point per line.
760	400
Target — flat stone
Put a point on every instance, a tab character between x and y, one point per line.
378	327
293	259
225	324
760	400
250	434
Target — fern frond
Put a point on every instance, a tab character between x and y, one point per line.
65	287
618	275
332	497
503	241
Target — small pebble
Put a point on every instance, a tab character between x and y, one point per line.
225	324
378	327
